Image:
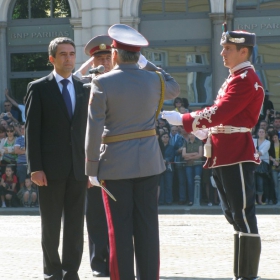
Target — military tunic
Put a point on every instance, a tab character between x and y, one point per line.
238	104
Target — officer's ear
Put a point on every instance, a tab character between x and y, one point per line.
114	56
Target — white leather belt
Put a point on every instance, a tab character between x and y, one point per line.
228	129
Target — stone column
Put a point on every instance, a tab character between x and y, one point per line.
77	26
131	21
130	12
3	64
96	18
219	72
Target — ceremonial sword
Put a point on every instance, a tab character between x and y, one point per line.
106	190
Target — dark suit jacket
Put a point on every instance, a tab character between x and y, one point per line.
54	143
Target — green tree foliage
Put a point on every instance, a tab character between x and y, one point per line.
41	9
20	10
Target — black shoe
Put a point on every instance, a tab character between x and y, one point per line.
251	278
98	274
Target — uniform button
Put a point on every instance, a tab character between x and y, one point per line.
72	128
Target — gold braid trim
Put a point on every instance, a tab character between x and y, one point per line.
161	94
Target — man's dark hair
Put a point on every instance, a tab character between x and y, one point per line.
2	129
273	133
178	99
165	133
57	41
127	56
249	48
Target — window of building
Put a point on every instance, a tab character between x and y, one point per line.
32	24
257	4
262	18
195	86
189	65
19	87
267	53
187	60
23	62
178	56
267	63
174	6
29	9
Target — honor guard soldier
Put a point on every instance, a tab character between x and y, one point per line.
99	50
228	124
123	154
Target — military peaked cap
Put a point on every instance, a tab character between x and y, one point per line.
98	44
127	38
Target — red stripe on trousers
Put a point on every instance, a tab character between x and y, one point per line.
113	264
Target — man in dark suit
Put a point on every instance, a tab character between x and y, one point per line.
56	114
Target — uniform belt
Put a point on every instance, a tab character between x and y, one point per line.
128	136
228	129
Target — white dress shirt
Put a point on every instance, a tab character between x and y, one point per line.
70	88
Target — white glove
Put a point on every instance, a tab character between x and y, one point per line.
172	117
94	181
201	133
142	62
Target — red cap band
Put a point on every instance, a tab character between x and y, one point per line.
129	48
97	48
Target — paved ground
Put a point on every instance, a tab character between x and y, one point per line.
164	209
193	247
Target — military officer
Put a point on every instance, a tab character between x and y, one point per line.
228	124
129	160
99	50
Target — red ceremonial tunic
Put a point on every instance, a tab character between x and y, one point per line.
238	104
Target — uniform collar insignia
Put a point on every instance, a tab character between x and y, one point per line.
240	66
243	75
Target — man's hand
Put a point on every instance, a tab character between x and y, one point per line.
142	62
9	115
39	178
172	117
94	181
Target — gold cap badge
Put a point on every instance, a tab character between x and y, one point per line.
102	47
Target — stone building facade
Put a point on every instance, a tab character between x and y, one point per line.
184	38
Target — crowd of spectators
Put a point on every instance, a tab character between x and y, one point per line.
266	138
182	153
183	156
16	188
